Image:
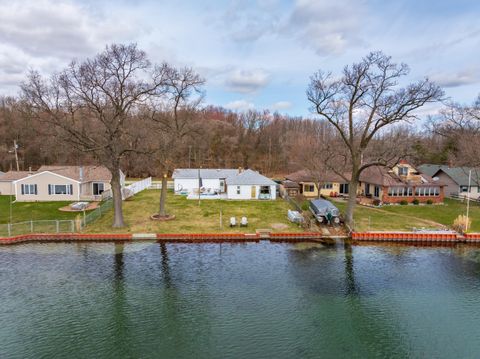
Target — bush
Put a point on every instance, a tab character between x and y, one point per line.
415	201
377	202
403	202
460	223
429	201
305	205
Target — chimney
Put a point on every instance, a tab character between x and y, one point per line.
80	173
240	170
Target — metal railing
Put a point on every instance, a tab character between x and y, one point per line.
92	216
42	226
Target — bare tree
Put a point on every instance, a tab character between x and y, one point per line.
94	105
364	102
176	120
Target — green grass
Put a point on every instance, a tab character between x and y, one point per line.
26	211
192	218
407	217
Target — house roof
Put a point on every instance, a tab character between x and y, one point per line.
205	173
460	175
15	175
249	177
306	176
384	176
80	173
231	176
429	169
290	184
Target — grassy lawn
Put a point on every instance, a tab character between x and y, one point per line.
406	217
192	218
24	211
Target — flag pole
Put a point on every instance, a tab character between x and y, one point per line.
468	198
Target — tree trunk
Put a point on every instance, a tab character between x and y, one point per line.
163	197
352	200
118	221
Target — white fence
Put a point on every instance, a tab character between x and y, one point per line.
139	186
45	226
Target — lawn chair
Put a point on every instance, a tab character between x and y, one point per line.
244	222
233	222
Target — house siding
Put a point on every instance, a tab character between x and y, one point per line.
451	187
326	192
6	188
246	192
42	181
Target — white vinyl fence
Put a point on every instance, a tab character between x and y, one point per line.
139	186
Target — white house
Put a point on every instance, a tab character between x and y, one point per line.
58	183
224	183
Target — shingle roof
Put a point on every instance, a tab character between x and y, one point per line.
14	175
429	169
249	177
460	175
306	176
383	176
90	173
206	173
231	176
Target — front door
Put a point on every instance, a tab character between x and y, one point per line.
254	192
343	188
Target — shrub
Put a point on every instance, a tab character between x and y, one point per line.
460	223
403	202
305	205
429	201
415	201
377	202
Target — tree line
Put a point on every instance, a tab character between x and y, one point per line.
120	110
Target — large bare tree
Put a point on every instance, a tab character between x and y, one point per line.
94	103
362	104
176	120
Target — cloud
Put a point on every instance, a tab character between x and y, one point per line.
240	105
329	27
465	77
281	105
247	81
247	21
58	29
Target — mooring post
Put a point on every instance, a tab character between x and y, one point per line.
31	226
9	229
57	225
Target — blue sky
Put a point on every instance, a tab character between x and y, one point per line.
253	54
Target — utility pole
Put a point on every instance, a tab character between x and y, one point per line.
468	198
189	156
15	146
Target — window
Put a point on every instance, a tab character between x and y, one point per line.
376	191
308	188
238	189
60	189
402	171
264	189
98	188
29	189
343	188
463	188
327	186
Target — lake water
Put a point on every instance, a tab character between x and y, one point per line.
258	300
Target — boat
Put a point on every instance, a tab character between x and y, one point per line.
324	211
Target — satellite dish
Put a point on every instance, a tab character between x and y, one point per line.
435	179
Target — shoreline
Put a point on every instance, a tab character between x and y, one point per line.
355	237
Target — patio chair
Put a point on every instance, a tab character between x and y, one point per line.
233	222
244	222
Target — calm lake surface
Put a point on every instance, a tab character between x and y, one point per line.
259	300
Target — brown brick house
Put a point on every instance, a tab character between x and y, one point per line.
401	183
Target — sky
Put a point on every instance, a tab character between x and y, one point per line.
253	54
